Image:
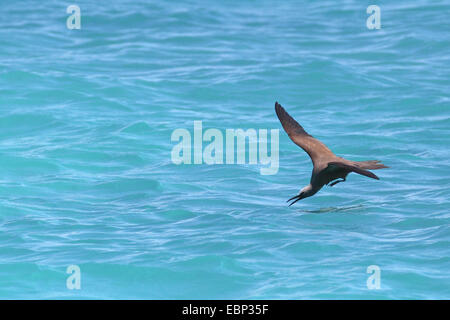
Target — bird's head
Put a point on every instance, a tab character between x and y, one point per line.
304	193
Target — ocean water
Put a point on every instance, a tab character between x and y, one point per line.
87	178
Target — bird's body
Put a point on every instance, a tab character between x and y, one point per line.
327	166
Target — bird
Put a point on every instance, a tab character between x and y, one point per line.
328	169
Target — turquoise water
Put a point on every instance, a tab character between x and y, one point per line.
87	179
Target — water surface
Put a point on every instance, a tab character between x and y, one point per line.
87	179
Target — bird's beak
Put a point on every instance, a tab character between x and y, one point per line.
297	197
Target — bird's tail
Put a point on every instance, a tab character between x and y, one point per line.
369	165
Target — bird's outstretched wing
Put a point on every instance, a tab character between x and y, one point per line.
313	147
351	168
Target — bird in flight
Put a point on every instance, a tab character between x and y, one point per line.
329	169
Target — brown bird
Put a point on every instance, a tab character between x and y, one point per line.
327	166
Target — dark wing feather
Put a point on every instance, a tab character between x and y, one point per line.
352	168
315	149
